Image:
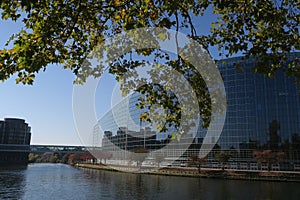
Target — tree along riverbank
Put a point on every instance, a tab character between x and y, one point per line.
205	172
56	157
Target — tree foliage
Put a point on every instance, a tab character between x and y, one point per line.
32	158
50	157
263	29
102	155
269	157
158	158
139	155
196	161
223	158
66	32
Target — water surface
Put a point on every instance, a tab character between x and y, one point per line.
58	181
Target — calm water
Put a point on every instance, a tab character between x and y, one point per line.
57	181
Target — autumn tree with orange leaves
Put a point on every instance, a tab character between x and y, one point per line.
269	157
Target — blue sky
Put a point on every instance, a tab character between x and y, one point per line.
47	104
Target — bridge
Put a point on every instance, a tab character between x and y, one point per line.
45	148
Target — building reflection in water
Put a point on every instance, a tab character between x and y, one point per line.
12	181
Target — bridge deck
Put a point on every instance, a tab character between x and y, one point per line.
44	148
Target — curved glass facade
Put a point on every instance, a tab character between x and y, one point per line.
262	114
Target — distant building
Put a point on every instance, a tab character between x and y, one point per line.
15	138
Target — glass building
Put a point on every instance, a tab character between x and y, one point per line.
262	114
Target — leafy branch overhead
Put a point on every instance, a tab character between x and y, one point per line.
66	32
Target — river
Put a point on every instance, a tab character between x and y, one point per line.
59	181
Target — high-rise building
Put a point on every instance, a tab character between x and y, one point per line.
262	114
15	138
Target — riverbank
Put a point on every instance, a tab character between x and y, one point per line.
205	173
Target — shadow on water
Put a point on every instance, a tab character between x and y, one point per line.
4	167
12	181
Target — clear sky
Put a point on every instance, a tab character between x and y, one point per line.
47	104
